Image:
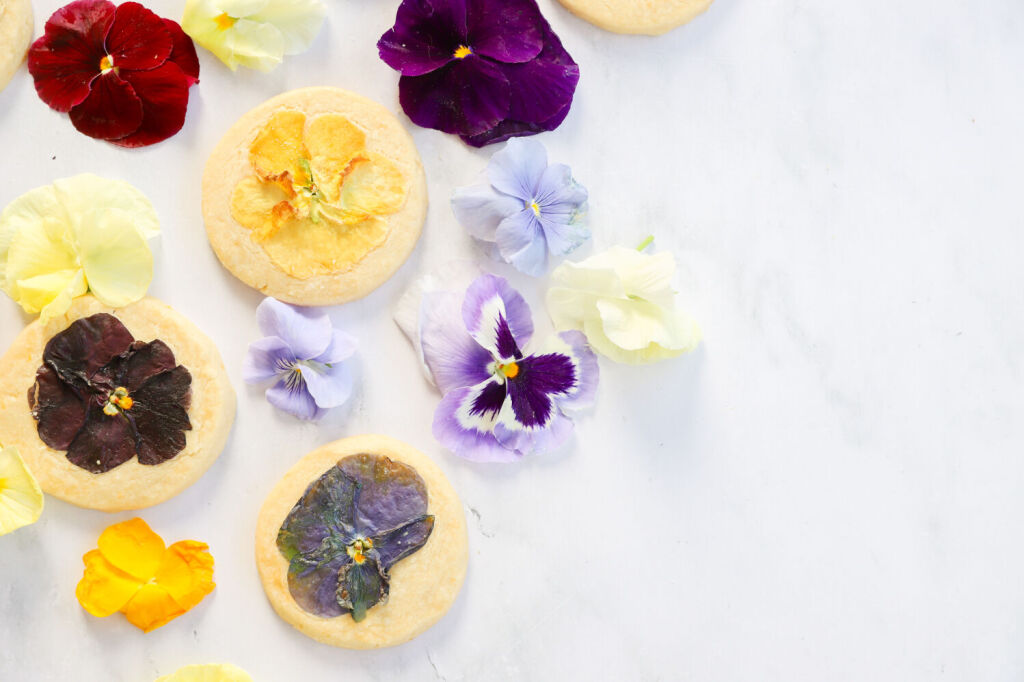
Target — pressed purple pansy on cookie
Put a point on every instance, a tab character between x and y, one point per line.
104	397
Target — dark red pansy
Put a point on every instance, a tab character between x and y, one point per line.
485	70
104	397
122	73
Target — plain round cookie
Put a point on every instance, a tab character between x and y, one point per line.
130	485
423	585
246	260
15	36
647	17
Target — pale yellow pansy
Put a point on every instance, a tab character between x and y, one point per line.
84	233
21	500
212	672
622	300
253	33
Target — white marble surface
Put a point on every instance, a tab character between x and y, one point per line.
829	489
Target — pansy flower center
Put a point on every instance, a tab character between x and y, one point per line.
107	63
117	401
357	550
510	370
534	206
224	22
462	51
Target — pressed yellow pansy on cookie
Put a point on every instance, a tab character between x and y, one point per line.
133	572
315	197
21	500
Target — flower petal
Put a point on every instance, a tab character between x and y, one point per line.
210	672
526	441
314	585
81	194
540	379
186	572
543	87
574	290
584	392
27	212
105	442
362	585
40	262
521	242
634	325
480	208
132	546
146	361
299	21
295	399
66	59
497	316
161	415
267	358
425	36
390	494
104	589
464	421
184	52
509	31
468	97
518	168
163	92
88	344
307	331
138	38
253	45
342	347
58	410
329	386
453	357
325	509
151	607
111	110
21	499
396	544
117	261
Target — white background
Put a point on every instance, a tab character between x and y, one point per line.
830	488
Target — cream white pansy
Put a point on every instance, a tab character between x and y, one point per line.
622	300
83	233
253	33
21	500
212	672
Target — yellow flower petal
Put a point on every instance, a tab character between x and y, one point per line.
333	142
186	572
299	21
133	547
26	212
36	251
104	589
305	249
253	205
151	607
36	294
254	45
211	672
82	194
117	261
21	499
372	186
278	148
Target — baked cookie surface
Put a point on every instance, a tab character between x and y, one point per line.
15	36
646	17
423	585
131	484
331	223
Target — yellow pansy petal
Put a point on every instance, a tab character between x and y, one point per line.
299	21
104	589
35	253
278	148
82	194
50	294
21	500
211	672
133	547
333	142
186	572
117	261
305	249
255	45
373	187
253	204
151	607
27	212
634	324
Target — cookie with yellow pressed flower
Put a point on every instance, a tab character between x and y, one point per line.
315	197
15	35
647	17
362	544
115	408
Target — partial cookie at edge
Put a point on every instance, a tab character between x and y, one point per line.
640	17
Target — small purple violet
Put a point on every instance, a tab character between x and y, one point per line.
528	208
305	356
498	402
485	70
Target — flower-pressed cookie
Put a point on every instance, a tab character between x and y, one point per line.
362	544
315	197
115	409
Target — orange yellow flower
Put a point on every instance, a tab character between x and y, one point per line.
133	572
316	201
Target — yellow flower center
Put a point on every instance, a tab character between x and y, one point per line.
117	401
106	64
510	370
358	548
224	22
535	206
463	51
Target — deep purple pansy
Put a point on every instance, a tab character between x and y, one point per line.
501	402
485	70
104	397
305	358
346	532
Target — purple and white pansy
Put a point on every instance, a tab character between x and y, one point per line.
305	357
500	402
